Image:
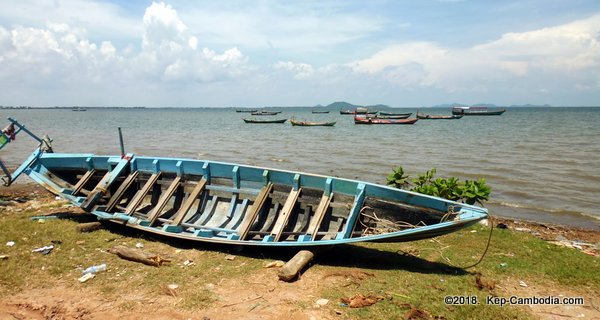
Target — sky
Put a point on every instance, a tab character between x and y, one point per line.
253	53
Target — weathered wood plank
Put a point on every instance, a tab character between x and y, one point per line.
315	223
254	210
139	196
189	202
120	191
162	202
285	213
84	179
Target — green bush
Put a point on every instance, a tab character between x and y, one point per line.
469	192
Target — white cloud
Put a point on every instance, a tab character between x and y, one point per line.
567	50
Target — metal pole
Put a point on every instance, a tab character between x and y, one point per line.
121	143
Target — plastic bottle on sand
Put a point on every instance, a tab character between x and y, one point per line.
95	269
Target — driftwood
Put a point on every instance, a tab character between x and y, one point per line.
88	226
137	255
293	267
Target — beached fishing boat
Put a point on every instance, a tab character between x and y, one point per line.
226	203
436	117
476	111
405	115
312	124
265	121
375	120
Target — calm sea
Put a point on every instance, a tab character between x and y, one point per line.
543	164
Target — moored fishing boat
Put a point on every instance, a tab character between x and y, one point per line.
477	111
401	116
405	115
312	124
319	111
246	110
265	120
265	113
437	117
375	120
226	203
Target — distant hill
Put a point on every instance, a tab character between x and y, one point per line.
342	105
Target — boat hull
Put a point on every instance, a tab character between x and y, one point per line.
228	203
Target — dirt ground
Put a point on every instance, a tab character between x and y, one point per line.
262	295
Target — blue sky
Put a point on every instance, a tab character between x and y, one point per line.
256	53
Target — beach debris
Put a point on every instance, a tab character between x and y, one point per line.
523	284
522	229
360	301
188	263
95	269
171	289
415	313
10	244
86	277
485	222
275	264
44	250
503	264
230	257
140	256
483	284
89	226
139	245
292	268
321	303
502	225
3	257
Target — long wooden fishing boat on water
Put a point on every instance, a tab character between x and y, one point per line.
401	116
312	124
359	110
227	203
246	110
265	113
405	115
265	120
476	111
370	120
320	111
437	117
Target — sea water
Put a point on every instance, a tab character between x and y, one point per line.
542	164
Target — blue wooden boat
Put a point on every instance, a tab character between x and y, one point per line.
227	203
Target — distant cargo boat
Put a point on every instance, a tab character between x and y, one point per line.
476	111
234	204
265	121
369	120
311	124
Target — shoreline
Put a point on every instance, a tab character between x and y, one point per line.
551	232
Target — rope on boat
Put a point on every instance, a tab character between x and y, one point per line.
384	225
390	226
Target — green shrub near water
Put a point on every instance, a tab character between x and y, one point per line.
470	192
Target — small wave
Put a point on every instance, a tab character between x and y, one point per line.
542	209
